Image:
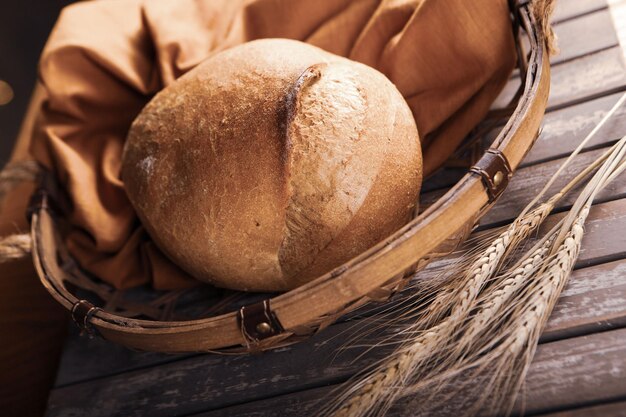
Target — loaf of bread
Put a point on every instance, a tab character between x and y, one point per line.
271	163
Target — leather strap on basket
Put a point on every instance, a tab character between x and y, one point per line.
258	322
82	311
495	172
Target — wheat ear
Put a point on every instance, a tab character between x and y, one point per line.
518	336
502	292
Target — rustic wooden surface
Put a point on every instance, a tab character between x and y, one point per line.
580	366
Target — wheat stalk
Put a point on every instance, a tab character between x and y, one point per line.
509	282
527	222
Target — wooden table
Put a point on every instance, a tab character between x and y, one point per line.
580	366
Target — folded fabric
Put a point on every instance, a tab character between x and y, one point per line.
106	59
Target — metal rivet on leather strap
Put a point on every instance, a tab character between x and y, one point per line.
263	328
258	321
497	179
495	172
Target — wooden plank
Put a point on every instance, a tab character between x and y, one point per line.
618	13
77	361
578	371
598	33
564	129
614	409
588	38
591	76
209	381
584	35
595	299
567	373
569	9
590	33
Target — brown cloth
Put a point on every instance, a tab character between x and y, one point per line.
105	60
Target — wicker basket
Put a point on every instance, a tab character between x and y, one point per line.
258	321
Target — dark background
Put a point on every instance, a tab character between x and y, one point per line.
24	28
